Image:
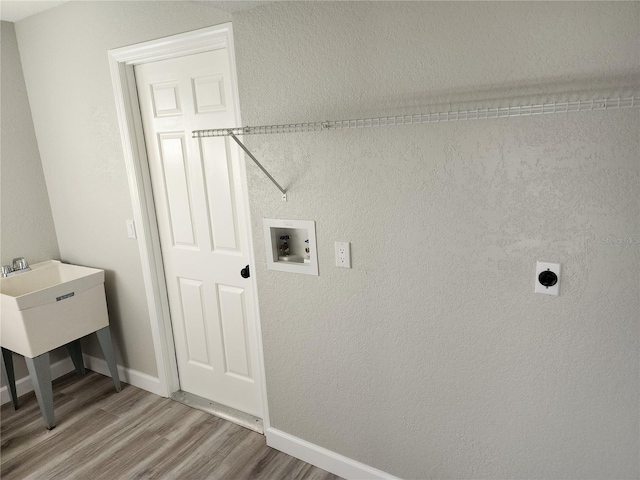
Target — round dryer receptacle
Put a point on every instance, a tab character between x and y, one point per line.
548	278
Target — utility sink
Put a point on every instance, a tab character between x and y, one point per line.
50	306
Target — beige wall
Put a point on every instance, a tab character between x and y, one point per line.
26	224
64	56
432	357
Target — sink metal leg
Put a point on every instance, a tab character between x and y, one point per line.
7	365
40	372
75	352
104	337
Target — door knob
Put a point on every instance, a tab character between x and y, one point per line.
245	273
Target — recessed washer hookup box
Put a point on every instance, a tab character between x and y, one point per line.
291	245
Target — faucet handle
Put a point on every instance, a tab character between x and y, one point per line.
6	270
20	263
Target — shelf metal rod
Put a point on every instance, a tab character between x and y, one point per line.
255	160
432	117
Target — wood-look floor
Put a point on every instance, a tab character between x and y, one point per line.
101	434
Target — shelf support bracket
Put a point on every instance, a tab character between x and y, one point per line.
255	160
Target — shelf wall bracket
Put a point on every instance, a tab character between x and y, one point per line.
255	160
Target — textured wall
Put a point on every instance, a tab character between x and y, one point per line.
432	357
411	361
26	224
75	120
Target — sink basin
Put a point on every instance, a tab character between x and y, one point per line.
50	306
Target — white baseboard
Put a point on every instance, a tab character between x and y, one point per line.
128	375
322	458
64	366
23	385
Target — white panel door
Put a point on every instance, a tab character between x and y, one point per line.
203	225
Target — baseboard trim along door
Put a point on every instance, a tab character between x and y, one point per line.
23	385
322	458
64	366
127	375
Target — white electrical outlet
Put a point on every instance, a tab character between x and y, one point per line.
343	254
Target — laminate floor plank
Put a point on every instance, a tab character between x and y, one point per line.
305	471
133	435
41	458
69	412
183	449
203	461
121	461
120	432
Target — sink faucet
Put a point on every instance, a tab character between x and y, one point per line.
20	265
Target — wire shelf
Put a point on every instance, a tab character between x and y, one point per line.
398	120
435	117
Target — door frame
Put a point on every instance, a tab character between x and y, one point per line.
121	62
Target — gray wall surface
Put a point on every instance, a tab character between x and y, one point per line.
432	357
26	224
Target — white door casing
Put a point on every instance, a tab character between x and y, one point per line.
203	226
121	62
